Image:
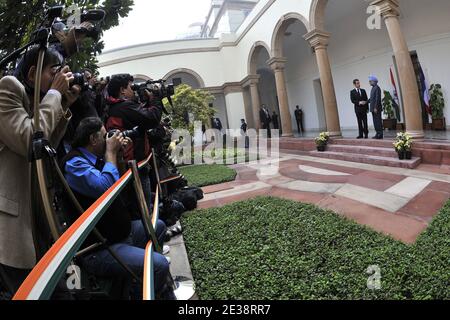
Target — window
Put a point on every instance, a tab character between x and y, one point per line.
177	81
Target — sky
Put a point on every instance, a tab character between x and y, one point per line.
156	20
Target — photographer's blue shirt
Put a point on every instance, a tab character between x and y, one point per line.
85	179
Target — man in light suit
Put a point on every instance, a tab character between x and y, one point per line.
18	234
359	99
376	107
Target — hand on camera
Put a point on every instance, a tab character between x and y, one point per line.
62	80
71	95
126	142
115	143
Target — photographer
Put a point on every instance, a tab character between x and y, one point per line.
17	225
85	107
91	169
125	113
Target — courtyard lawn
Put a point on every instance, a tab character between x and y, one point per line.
206	175
268	248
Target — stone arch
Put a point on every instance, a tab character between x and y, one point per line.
281	27
188	71
317	15
142	76
252	67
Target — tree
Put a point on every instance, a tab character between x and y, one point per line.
18	20
190	102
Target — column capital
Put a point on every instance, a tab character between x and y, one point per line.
277	64
317	38
388	8
251	80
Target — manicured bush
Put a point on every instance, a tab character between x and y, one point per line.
206	175
268	248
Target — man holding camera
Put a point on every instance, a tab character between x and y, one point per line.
18	234
91	168
125	113
83	107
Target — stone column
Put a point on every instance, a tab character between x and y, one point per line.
319	42
256	102
389	10
277	65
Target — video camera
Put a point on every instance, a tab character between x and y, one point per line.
55	33
158	88
131	134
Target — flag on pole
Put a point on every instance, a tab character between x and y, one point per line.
394	94
424	90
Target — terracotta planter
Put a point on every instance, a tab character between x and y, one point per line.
321	148
390	124
439	124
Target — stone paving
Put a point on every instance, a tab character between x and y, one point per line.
395	201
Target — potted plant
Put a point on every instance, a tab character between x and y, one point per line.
407	139
390	122
322	141
437	105
403	146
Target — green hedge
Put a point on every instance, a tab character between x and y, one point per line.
268	248
206	175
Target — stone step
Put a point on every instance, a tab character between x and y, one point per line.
433	145
364	142
357	149
369	159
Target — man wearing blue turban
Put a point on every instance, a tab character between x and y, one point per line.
376	107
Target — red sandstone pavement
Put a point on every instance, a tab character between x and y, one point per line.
405	225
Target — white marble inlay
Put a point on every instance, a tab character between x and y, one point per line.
307	186
322	172
254	186
382	200
409	187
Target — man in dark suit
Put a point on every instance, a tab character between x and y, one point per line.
299	119
264	115
275	121
376	107
359	98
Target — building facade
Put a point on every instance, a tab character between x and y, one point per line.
284	53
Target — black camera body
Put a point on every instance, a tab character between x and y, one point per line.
131	134
159	89
80	81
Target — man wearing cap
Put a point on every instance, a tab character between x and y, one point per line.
376	107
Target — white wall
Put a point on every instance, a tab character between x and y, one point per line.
221	108
235	109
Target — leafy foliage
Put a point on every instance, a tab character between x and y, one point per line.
268	248
323	139
388	105
19	19
206	175
437	101
189	101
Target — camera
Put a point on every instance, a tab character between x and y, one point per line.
131	134
158	88
80	81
